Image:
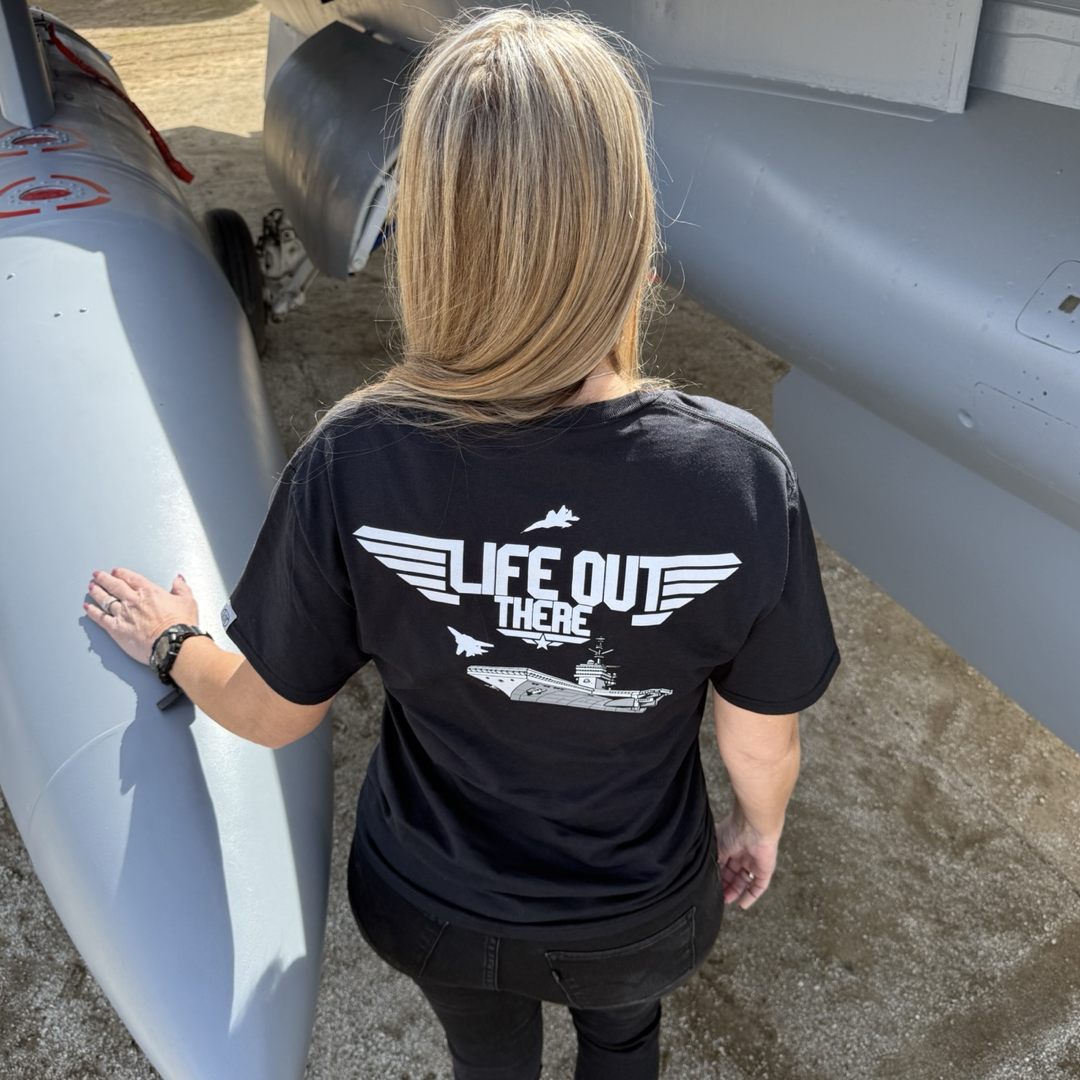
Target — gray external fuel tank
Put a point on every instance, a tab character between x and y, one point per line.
189	867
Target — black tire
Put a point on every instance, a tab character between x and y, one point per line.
234	250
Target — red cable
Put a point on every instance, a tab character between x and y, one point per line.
177	169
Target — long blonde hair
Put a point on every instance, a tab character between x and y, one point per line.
525	219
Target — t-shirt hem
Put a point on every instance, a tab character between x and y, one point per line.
671	903
290	693
782	708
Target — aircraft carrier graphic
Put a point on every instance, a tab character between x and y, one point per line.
593	686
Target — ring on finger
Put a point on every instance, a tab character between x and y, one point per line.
109	603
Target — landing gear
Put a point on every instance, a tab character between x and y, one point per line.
286	268
235	253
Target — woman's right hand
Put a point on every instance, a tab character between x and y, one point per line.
747	860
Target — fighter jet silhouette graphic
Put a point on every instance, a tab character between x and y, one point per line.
556	519
469	645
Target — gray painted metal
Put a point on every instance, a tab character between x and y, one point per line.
328	143
26	95
189	867
1051	316
994	576
891	260
1031	49
917	52
281	40
859	246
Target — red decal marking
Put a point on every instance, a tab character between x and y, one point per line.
92	202
44	194
24	180
81	141
79	180
18	142
50	193
11	153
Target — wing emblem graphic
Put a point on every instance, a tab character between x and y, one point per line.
423	561
661	584
676	580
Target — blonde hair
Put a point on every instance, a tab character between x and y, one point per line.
525	220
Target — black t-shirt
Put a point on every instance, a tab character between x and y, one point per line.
545	606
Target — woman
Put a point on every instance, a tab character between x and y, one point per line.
549	559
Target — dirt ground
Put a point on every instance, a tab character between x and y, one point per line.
925	918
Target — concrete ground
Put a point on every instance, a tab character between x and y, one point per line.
925	918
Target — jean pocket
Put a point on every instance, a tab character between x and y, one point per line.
403	935
630	974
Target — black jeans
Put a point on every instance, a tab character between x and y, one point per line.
486	990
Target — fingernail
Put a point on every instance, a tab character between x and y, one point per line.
181	577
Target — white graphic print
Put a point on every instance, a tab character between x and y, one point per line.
593	686
647	587
469	646
419	560
556	519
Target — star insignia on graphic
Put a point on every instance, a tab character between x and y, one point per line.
555	519
541	642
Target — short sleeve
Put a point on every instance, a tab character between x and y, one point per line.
292	613
790	654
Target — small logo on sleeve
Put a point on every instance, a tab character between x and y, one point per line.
228	616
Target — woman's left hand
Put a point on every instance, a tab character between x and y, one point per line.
747	860
134	611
